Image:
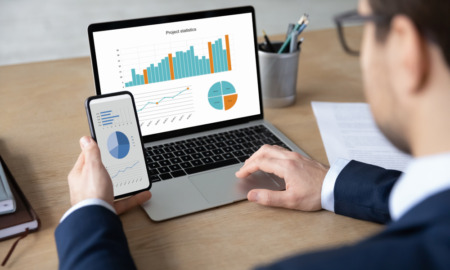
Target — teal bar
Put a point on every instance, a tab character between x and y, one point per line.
180	64
225	60
205	70
216	58
158	72
168	69
142	79
133	76
149	75
174	61
191	60
182	70
186	62
185	65
152	66
197	66
175	66
219	52
163	70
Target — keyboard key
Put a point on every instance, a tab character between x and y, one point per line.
228	156
210	147
228	149
179	153
238	147
197	156
175	167
186	158
154	178
164	163
218	158
178	173
163	170
196	163
176	160
212	166
200	149
165	176
207	160
189	151
220	145
238	153
168	155
157	158
158	151
169	149
153	165
207	153
217	151
185	165
153	172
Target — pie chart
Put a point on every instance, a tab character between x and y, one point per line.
222	96
118	145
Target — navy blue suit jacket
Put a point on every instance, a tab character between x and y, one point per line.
92	237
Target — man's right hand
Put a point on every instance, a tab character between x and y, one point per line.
303	176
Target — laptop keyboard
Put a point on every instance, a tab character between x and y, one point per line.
204	153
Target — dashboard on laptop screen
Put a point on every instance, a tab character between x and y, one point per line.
182	74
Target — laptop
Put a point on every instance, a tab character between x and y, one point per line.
195	81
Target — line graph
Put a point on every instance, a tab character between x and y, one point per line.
124	170
162	99
164	106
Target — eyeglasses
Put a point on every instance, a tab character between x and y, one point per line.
351	40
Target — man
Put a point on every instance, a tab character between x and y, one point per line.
406	66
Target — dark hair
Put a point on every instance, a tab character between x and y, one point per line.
431	18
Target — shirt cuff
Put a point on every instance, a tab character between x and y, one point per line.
87	202
327	195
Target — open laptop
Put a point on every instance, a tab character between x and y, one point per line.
195	80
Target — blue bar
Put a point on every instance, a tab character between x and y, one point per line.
106	111
107	124
109	117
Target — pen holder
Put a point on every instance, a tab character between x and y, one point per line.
278	76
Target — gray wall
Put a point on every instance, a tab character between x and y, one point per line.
33	30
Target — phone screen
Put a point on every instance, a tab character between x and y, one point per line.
117	134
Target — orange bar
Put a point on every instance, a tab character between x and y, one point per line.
172	76
227	42
211	63
145	76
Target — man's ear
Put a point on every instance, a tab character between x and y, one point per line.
408	57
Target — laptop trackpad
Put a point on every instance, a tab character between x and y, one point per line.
222	186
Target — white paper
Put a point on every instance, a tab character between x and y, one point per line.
349	131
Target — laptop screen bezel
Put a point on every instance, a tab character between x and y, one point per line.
105	26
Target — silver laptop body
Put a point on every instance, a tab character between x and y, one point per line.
207	189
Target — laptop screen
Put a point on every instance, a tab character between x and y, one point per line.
182	74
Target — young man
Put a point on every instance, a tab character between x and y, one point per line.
406	66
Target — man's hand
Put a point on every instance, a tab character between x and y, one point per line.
89	179
303	177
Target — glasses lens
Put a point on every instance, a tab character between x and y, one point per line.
353	37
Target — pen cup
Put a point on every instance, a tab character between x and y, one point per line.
278	76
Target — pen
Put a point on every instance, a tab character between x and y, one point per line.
299	43
302	21
269	44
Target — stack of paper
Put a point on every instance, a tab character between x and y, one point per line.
349	131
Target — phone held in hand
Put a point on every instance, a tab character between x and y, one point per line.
113	122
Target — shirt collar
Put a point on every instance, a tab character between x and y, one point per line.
423	178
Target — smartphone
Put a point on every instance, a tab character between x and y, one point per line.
114	126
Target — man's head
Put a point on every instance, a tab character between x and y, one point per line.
406	65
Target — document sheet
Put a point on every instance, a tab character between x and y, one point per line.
349	131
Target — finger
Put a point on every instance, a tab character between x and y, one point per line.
270	165
90	150
129	203
78	164
268	197
272	151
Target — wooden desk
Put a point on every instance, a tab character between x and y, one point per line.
42	118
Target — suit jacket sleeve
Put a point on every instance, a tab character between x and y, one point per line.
92	237
362	191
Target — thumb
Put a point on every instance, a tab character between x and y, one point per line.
90	149
268	197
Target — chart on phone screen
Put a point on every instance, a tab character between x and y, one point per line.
183	74
120	146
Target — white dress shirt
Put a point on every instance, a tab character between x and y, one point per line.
423	178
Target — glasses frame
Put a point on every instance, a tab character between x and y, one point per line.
354	17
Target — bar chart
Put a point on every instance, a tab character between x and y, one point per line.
184	64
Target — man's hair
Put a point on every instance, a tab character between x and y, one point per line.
431	17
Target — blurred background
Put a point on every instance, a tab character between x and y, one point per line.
55	29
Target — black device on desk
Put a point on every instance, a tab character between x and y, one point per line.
114	125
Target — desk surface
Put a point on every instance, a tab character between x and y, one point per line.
43	118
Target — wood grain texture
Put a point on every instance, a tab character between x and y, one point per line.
43	117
